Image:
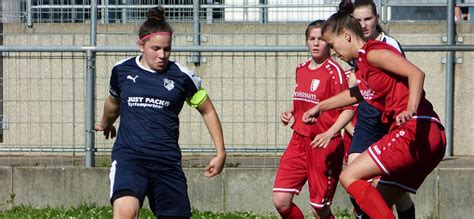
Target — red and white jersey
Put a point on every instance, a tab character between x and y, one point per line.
386	91
312	87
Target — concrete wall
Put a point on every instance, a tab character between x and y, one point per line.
44	93
446	193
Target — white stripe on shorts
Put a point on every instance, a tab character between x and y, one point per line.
376	159
286	190
112	178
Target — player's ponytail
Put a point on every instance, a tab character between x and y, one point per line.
343	20
346	6
157	13
155	24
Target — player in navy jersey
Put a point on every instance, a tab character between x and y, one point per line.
148	93
368	126
415	143
315	152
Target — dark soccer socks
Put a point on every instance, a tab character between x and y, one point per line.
407	214
359	214
369	200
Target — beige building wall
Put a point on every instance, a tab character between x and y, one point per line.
44	93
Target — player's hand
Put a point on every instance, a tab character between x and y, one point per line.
109	131
215	166
285	117
309	116
405	116
322	140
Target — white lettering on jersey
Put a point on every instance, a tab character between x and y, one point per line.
367	94
303	96
147	102
377	150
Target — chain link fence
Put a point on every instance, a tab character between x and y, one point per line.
44	93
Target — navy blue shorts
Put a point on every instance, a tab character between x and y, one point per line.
368	129
165	186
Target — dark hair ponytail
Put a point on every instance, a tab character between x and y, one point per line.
343	20
157	13
156	22
346	6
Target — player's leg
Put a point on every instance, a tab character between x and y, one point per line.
126	207
284	204
322	213
170	217
290	177
405	207
324	167
395	195
127	188
367	197
359	214
168	197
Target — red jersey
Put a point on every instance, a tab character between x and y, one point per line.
354	107
384	90
312	87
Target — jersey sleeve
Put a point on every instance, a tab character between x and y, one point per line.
196	94
114	88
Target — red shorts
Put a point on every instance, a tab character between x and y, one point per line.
320	167
347	141
408	153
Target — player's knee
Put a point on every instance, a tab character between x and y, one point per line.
345	178
282	201
125	213
125	208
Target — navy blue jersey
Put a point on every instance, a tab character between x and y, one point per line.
150	103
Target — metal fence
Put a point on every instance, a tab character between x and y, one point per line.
260	11
50	84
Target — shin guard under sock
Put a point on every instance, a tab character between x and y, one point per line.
293	212
369	200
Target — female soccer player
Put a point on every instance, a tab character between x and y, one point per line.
315	151
369	127
416	141
148	93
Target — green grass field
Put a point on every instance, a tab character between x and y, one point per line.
94	212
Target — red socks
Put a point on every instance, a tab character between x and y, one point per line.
369	200
293	212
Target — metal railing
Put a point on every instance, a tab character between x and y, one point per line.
262	11
89	52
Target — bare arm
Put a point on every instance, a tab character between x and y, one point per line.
109	116
323	139
345	98
285	117
214	127
350	128
457	14
400	66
